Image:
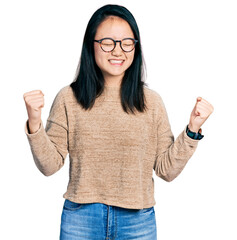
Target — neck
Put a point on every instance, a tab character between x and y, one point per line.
113	81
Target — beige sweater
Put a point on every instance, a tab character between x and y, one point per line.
112	154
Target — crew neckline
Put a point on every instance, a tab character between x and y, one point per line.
112	87
111	93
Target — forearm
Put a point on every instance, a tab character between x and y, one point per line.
173	159
48	157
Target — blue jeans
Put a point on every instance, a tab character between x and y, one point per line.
98	221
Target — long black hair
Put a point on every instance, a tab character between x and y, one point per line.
89	82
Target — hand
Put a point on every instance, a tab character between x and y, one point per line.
202	110
34	101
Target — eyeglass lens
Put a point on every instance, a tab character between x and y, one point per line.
108	45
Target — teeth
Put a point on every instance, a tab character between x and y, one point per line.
116	61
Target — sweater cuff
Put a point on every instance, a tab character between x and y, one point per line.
189	140
35	133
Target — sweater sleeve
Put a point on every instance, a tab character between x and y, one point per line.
49	145
172	155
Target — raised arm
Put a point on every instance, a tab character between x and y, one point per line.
172	155
49	145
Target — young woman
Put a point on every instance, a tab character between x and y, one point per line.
116	132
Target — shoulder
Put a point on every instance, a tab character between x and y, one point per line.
64	93
155	103
64	90
152	97
61	97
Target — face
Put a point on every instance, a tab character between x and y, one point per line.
113	64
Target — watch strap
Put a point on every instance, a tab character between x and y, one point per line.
194	135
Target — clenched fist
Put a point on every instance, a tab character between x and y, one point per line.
202	110
34	101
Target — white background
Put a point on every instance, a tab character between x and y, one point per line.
190	48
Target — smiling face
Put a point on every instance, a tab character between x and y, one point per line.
113	64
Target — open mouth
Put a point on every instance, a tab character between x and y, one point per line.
116	62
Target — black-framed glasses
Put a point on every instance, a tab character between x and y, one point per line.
109	44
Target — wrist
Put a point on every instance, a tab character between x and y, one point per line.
194	135
193	128
33	127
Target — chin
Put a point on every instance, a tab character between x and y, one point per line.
115	73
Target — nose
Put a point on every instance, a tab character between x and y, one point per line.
117	50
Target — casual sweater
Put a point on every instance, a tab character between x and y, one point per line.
112	154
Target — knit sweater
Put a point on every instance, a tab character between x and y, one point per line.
112	154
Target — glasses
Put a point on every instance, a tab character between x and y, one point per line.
109	44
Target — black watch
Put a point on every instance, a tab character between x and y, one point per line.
194	135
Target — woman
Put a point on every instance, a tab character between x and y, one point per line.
116	132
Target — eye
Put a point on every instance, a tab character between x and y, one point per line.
128	42
107	42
